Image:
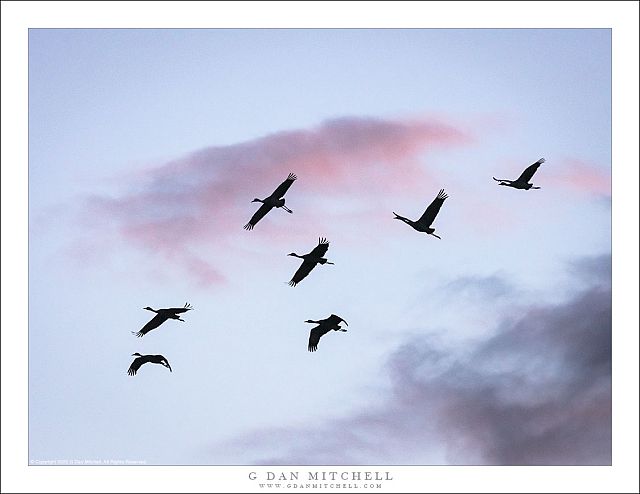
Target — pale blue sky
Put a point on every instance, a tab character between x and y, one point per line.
108	106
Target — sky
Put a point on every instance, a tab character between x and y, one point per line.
490	346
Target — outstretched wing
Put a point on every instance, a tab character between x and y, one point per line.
432	211
334	320
259	214
180	310
529	171
135	365
314	337
302	272
166	362
284	186
156	321
320	249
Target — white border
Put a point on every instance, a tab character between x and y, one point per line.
17	17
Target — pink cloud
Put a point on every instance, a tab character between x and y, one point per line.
581	176
200	201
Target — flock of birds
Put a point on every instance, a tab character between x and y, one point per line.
311	260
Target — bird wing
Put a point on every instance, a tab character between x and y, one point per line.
258	215
179	310
320	249
135	365
432	211
302	272
529	171
314	337
334	320
156	321
284	186
164	359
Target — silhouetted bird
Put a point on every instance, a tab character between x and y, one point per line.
323	327
310	261
522	181
424	223
275	200
161	316
143	359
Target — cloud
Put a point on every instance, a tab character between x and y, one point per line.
201	201
480	287
580	176
537	392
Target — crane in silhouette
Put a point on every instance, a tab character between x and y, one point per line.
161	316
310	261
323	327
522	182
275	200
423	224
143	359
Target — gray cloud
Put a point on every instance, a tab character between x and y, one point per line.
592	270
538	392
480	287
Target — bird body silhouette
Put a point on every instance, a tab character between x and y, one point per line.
161	316
310	261
522	182
423	224
143	359
275	200
331	323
